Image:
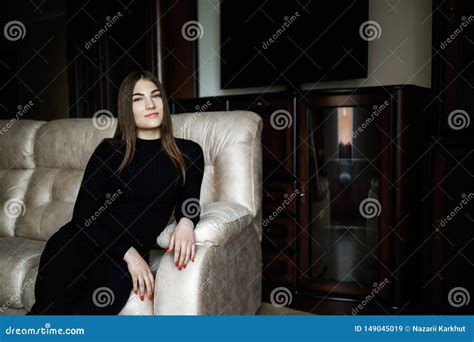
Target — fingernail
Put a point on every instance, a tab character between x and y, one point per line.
193	259
150	296
176	263
135	292
184	266
180	268
142	298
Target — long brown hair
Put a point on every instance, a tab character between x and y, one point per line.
126	131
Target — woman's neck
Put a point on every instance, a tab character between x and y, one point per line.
148	134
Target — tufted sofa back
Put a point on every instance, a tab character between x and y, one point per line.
42	164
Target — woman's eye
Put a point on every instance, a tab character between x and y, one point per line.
157	95
137	99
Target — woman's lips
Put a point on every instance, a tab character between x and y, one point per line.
151	115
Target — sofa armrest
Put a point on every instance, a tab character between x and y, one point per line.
219	221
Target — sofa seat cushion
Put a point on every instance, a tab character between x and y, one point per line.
18	256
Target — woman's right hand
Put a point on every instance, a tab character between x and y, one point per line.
141	274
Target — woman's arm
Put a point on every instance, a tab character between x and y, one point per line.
187	205
187	209
91	201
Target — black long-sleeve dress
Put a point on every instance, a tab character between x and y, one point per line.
82	270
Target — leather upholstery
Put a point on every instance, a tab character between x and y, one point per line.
41	167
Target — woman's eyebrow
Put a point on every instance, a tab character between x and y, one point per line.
140	94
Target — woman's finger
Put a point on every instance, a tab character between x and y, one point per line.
170	247
182	254
149	289
135	284
142	287
188	254
152	280
193	252
177	249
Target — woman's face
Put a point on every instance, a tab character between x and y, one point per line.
147	105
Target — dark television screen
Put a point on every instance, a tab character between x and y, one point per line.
269	42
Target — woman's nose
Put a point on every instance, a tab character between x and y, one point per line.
150	104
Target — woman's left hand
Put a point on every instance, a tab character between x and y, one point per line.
183	243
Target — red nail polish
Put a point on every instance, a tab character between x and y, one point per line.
179	268
176	263
142	298
184	266
193	259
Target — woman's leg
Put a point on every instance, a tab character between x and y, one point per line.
62	265
106	290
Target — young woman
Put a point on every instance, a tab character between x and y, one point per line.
130	187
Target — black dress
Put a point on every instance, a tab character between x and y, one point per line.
81	269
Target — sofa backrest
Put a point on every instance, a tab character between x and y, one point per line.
16	167
48	184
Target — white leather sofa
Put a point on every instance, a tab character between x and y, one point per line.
41	167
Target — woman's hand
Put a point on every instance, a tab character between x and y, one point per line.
182	241
140	272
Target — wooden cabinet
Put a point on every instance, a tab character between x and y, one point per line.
319	169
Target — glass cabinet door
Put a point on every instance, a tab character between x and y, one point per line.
343	199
